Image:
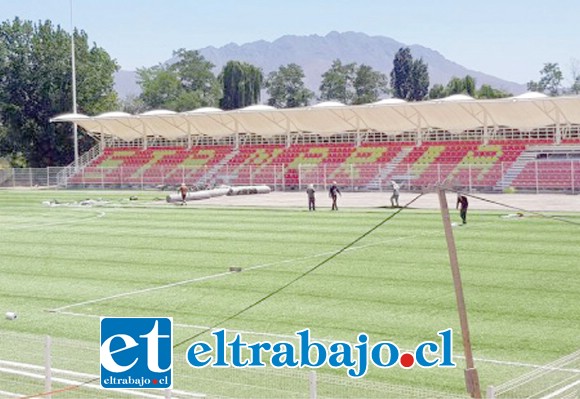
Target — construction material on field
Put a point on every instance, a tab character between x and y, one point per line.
217	192
191	196
248	190
11	316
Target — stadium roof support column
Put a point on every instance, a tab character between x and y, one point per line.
287	132
237	135
485	130
558	137
102	143
189	138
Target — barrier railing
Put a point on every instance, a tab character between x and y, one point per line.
533	176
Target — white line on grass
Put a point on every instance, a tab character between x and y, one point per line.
224	274
286	336
212	276
149	289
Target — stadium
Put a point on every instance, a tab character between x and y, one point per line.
98	239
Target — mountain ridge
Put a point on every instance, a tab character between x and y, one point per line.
315	54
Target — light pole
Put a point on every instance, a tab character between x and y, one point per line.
74	87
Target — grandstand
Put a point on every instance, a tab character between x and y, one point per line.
527	143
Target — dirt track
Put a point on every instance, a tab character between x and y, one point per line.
530	202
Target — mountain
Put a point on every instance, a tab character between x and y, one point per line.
126	84
315	54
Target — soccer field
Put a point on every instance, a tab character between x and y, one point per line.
64	265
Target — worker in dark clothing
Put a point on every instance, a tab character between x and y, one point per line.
310	192
333	193
462	200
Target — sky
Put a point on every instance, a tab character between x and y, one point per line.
510	39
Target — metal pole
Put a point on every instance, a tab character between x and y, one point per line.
470	184
312	384
74	87
471	377
283	178
47	366
537	184
351	177
572	175
502	177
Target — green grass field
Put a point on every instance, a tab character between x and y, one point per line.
62	267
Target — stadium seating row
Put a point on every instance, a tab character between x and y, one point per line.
369	165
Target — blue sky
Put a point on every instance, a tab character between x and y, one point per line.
510	39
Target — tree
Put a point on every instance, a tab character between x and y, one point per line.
352	84
419	81
132	104
36	85
401	74
437	91
550	80
469	84
368	85
338	83
534	86
196	76
241	83
184	85
455	86
160	87
409	77
286	87
575	71
575	88
486	91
